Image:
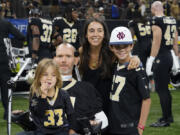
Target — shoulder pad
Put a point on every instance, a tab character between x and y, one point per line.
57	18
45	21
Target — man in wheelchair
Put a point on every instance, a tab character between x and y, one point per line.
90	119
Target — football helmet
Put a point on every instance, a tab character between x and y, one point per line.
175	78
120	36
31	74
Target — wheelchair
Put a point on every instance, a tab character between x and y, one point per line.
23	120
87	128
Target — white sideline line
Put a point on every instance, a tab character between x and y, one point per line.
21	93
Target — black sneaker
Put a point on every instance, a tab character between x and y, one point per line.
170	119
161	123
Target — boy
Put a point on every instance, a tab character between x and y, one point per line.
130	98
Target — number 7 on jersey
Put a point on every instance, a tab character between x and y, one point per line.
121	82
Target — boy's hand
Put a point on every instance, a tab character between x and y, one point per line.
140	131
93	122
134	62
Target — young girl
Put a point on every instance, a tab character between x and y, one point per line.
130	98
49	105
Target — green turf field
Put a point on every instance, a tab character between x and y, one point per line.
174	129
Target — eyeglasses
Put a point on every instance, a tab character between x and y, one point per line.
119	47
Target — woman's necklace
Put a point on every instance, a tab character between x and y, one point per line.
94	59
94	64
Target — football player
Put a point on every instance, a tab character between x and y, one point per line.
140	27
68	26
130	97
164	31
39	35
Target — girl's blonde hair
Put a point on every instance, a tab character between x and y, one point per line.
41	68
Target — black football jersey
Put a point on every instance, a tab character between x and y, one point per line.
129	88
51	115
68	31
142	30
84	98
169	27
45	28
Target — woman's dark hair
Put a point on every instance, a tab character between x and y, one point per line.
105	54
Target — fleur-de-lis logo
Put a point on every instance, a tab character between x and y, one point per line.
120	35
